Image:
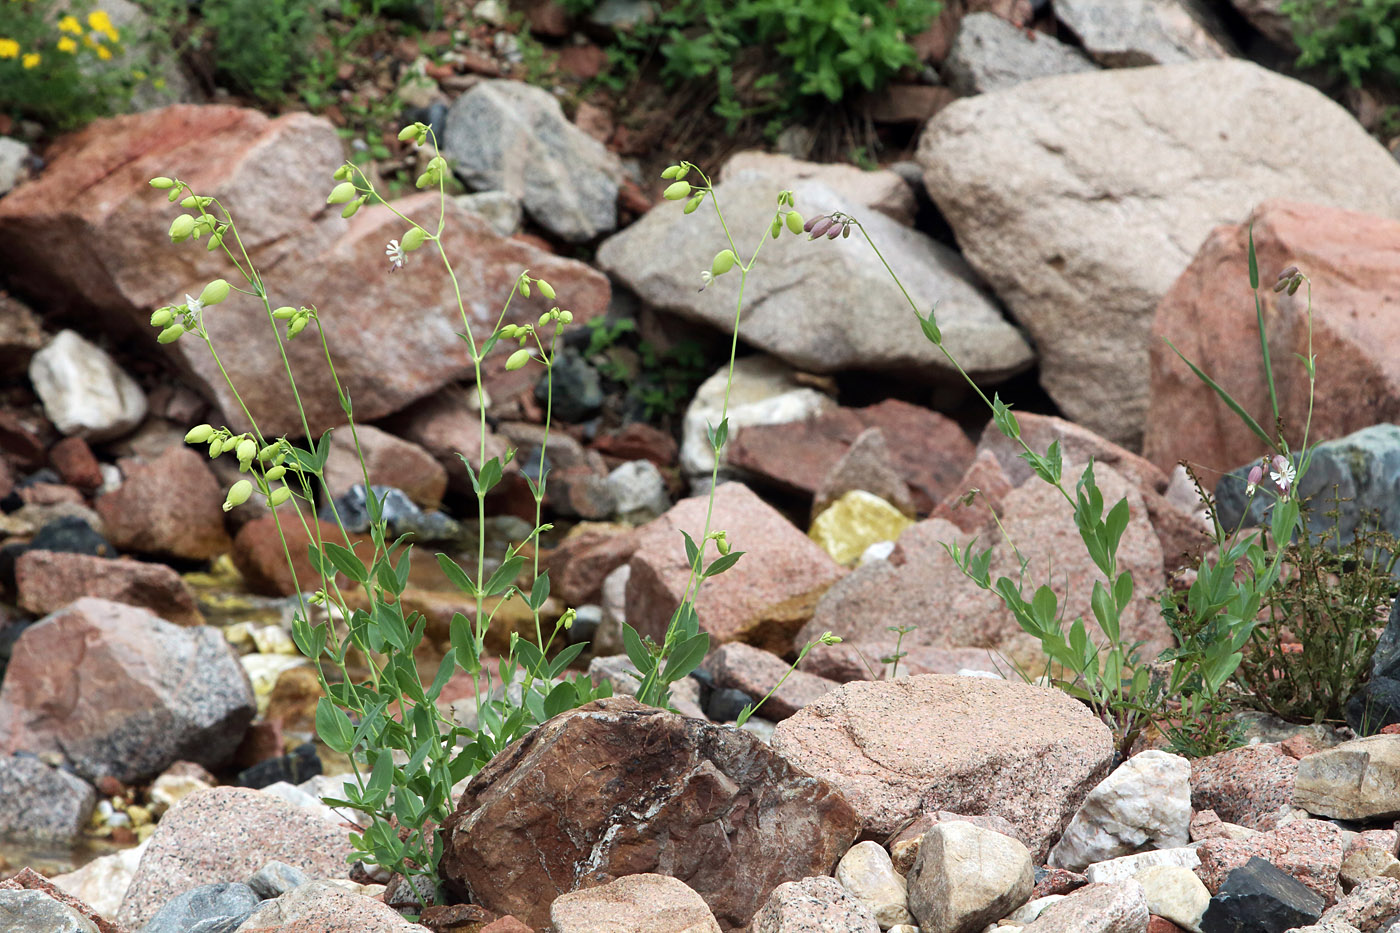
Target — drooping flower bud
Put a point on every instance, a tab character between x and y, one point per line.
279	495
413	239
518	359
216	447
670	172
566	317
162	317
171	334
341	193
775	228
276	473
246	450
693	204
1294	284
215	292
794	221
270	451
819	226
161	182
181	228
238	494
1288	273
343	173
567	619
1256	476
285	313
545	288
199	434
724	261
677	191
354	206
297	326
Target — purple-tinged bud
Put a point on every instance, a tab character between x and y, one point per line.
1293	285
822	225
807	227
1288	273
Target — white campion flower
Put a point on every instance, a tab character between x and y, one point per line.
396	254
194	304
1283	473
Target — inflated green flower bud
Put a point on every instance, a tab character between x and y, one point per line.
246	450
354	206
677	191
525	289
285	313
276	473
199	434
279	495
693	204
171	334
775	228
162	317
413	239
297	326
215	292
671	172
566	317
161	182
794	221
545	288
723	262
238	494
567	619
173	196
215	241
341	193
343	173
181	228
216	447
409	132
518	359
268	452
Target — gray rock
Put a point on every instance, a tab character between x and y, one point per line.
209	908
513	137
500	209
1095	908
1364	469
822	306
966	877
83	390
620	672
1132	33
1357	780
13	155
1144	803
819	903
42	803
26	911
1377	704
989	54
1081	198
1268	17
400	513
639	490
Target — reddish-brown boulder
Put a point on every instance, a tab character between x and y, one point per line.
446	425
761	600
1251	786
75	463
389	460
1354	263
616	788
591	551
755	671
171	506
900	748
49	580
1309	850
117	691
91	226
928	450
638	441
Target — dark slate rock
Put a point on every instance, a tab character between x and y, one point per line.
578	389
724	704
276	878
1365	469
1257	897
41	803
209	908
1377	703
400	513
24	911
301	764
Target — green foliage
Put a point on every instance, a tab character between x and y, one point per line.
1314	643
63	63
810	51
662	380
262	47
1352	39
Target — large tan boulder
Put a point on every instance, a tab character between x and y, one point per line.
1080	198
1354	262
896	749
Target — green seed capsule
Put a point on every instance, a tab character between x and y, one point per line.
693	204
171	334
246	450
794	221
723	262
341	193
276	473
215	292
518	359
162	317
413	239
279	495
199	434
238	494
545	288
160	181
181	228
677	191
285	313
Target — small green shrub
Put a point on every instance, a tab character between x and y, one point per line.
62	63
262	48
806	52
661	380
1352	39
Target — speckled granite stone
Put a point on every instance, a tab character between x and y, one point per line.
1250	786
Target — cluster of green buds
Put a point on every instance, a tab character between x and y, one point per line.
567	619
433	174
1290	279
680	189
347	192
190	226
721	540
245	448
416	133
175	321
790	218
296	318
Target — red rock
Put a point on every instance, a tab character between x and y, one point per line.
615	788
928	450
390	461
93	202
259	556
1298	746
171	506
547	18
293	699
991	485
1057	881
262	741
1250	786
597	122
1309	850
506	924
584	558
21	334
762	599
898	748
582	61
1156	924
866	466
50	494
639	441
848	660
325	907
226	834
1207	824
1369	906
909	103
456	918
1392	729
644	902
23	439
136	693
1209	315
48	580
74	461
7	477
756	672
30	880
1107	907
904	845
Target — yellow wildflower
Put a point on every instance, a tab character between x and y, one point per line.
104	53
70	24
66	44
9	48
99	21
30	60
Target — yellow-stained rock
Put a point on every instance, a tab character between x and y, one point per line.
854	522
